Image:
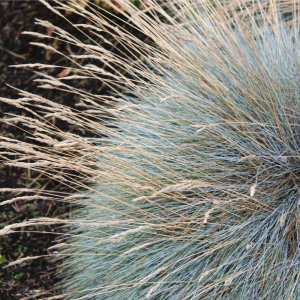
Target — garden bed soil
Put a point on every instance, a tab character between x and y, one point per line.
33	276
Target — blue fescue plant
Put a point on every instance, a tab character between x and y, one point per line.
193	188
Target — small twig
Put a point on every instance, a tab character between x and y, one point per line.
15	54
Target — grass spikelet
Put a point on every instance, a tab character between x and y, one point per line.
21	260
253	189
191	190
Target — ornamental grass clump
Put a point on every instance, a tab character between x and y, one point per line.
191	190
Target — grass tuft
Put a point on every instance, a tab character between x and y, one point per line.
192	190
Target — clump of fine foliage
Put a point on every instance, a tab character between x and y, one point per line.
195	182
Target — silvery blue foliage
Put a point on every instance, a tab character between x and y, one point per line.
195	192
204	177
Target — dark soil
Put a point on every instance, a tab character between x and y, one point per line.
33	276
